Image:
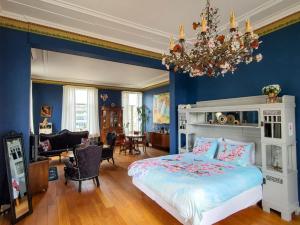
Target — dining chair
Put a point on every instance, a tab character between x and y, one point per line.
124	143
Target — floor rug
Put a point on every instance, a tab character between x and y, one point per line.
53	175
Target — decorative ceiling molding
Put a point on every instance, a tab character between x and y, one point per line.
279	23
103	87
58	33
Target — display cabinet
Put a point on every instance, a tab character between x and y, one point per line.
111	121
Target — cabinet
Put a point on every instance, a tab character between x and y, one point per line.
38	174
279	164
160	140
111	121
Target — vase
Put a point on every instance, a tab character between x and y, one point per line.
272	98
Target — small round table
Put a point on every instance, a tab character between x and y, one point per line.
132	137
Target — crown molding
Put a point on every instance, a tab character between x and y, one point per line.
279	23
155	86
76	37
103	87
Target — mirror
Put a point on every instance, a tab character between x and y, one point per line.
20	199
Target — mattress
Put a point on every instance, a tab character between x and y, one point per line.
227	208
189	186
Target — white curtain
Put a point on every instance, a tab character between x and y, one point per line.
68	120
93	112
130	102
69	109
31	109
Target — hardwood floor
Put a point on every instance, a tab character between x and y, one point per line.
117	202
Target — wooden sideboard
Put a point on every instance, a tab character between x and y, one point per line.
160	140
38	174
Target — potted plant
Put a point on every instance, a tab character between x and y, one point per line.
272	91
143	115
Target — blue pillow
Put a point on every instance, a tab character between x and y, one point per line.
239	154
205	147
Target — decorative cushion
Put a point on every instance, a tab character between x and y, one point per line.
46	145
85	141
252	151
205	147
238	154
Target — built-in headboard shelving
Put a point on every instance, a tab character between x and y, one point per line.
270	126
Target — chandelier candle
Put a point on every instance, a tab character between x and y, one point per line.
212	53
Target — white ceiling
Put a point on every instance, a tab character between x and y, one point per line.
145	24
56	66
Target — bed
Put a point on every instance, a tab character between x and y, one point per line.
195	189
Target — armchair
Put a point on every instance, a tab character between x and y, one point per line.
87	165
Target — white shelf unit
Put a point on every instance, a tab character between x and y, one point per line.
270	126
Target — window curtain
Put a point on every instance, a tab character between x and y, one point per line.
93	112
69	110
31	109
130	102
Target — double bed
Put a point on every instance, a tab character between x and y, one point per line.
195	189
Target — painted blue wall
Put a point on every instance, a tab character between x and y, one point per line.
148	102
114	96
14	92
15	78
47	94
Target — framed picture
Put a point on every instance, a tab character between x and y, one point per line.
161	108
46	111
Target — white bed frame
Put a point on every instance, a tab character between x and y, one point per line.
237	203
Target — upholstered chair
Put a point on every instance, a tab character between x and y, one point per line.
86	167
108	152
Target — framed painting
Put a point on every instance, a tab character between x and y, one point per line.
161	108
46	111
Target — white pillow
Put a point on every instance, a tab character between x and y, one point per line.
252	156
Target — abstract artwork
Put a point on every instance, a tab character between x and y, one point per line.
161	108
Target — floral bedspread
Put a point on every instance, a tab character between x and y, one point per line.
193	184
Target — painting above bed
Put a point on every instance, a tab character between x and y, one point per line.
161	108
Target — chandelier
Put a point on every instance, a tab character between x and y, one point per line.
212	54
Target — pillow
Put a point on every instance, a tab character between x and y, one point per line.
238	154
46	145
85	141
219	140
252	151
205	147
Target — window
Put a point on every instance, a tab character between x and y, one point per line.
130	102
81	109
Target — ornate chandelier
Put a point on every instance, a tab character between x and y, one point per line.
212	54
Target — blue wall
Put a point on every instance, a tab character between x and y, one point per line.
15	78
47	94
148	102
114	96
14	92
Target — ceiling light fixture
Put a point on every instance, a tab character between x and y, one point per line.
212	54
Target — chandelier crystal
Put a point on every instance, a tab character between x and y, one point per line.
212	54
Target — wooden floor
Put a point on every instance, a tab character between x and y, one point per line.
117	202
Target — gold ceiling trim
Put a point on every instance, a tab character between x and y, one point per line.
279	24
62	34
103	87
164	83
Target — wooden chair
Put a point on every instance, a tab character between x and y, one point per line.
142	141
124	143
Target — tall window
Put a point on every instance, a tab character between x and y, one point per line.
80	109
130	102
